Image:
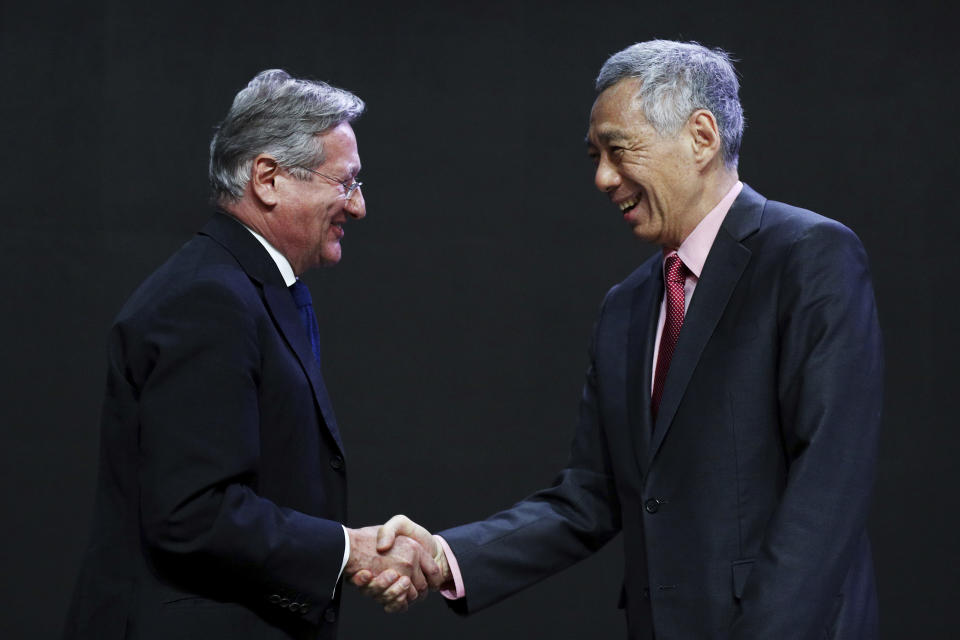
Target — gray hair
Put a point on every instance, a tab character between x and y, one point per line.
676	79
281	116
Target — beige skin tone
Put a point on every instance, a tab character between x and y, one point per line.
389	588
304	219
409	567
676	179
671	182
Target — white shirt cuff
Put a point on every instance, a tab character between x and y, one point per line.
346	556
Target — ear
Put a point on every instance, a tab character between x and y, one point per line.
705	136
263	179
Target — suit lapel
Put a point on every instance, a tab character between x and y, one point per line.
258	264
725	264
644	309
287	317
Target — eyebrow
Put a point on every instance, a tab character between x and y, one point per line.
608	136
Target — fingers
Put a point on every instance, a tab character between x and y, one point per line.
417	581
431	571
436	570
394	592
362	578
408	555
395	563
398	605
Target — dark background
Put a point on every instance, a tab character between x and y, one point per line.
455	328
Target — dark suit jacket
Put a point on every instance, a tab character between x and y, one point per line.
744	507
222	479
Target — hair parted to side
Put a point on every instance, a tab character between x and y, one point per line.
279	115
676	79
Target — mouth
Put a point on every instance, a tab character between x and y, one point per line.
628	206
337	228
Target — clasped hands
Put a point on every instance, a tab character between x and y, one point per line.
396	563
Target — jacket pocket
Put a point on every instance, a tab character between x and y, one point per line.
741	571
194	602
831	629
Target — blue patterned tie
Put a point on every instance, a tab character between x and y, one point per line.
301	297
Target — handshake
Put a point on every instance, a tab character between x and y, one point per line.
396	563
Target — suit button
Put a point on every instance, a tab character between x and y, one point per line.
330	615
336	462
304	608
294	606
284	602
652	505
275	598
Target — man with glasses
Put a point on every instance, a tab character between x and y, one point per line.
222	480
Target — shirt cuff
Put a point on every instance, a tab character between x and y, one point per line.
458	591
346	556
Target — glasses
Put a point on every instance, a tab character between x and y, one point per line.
349	187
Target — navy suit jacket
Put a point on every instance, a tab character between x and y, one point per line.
222	481
744	507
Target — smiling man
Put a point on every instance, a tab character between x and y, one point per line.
222	483
729	418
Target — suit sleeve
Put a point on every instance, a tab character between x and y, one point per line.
195	364
830	388
548	531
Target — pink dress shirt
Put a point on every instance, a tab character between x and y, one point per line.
693	252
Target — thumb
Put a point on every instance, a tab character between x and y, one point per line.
401	525
390	530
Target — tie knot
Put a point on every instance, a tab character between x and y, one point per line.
301	294
674	269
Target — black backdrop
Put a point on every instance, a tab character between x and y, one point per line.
455	328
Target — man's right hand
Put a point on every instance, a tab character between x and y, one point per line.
388	588
404	567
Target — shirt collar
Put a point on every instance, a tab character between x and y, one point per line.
282	263
694	250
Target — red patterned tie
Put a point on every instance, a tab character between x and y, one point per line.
675	275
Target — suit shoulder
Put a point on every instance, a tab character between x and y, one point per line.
810	251
201	273
788	234
199	300
797	223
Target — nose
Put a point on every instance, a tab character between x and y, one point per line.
356	206
606	178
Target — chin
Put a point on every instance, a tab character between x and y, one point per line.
644	233
330	257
